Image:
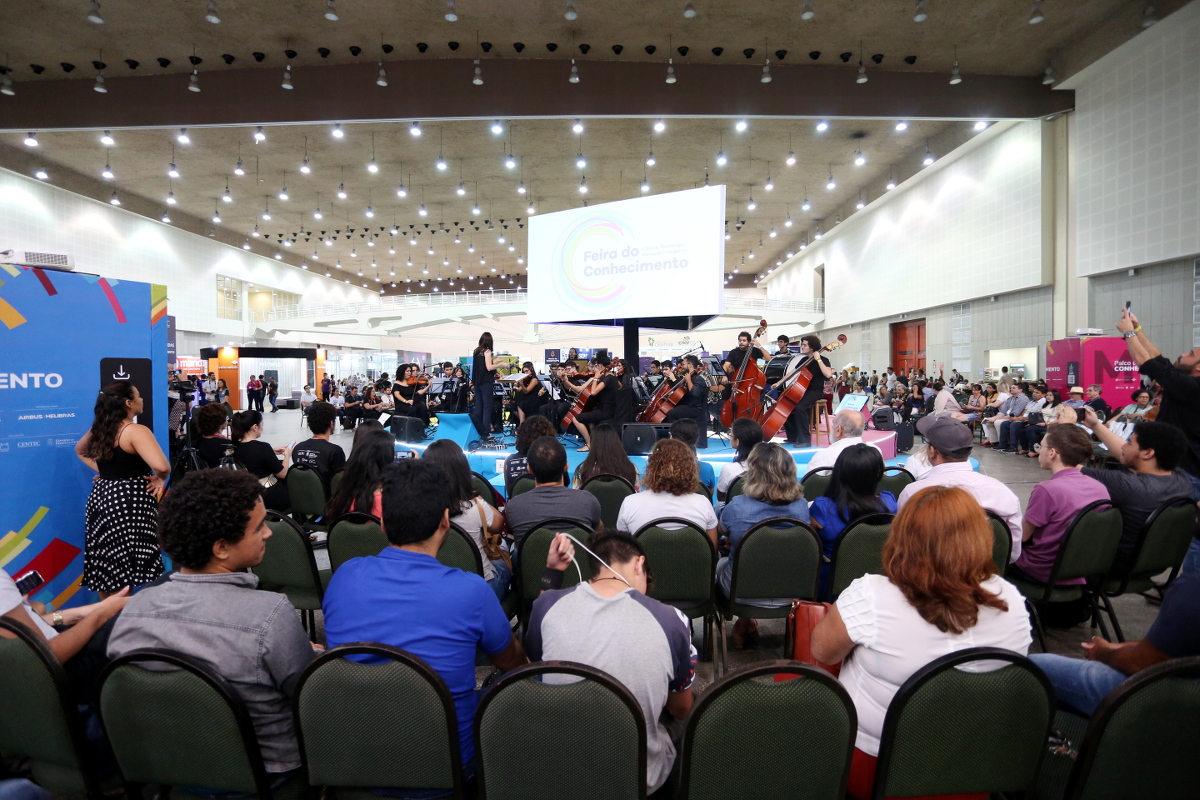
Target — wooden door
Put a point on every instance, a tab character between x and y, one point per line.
908	344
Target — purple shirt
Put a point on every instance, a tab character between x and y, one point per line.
1052	506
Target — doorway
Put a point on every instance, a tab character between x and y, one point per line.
908	344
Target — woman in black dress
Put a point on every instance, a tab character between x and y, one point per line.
605	387
371	403
121	544
408	398
209	421
260	459
483	378
530	392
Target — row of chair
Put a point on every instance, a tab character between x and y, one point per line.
173	721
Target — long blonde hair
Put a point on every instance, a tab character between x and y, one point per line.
771	475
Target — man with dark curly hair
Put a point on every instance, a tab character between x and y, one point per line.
318	453
213	527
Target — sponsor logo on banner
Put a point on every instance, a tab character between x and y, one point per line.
30	380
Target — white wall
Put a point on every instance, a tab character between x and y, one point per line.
970	226
1137	149
115	243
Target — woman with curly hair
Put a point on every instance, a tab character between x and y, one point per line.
121	543
209	423
669	490
939	594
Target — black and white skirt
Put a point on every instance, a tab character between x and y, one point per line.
121	545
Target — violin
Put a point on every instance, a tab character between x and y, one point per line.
747	385
772	421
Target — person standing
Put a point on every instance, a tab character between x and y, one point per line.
273	394
483	378
326	386
121	541
210	388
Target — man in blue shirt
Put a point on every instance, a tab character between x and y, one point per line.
405	598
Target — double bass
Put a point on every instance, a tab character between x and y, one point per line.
777	414
745	399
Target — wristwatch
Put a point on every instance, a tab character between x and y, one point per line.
1128	334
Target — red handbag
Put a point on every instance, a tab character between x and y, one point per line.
803	618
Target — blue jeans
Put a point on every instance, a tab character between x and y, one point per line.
21	789
1191	562
1078	683
1010	434
499	583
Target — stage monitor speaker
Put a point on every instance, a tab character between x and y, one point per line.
639	437
883	418
407	429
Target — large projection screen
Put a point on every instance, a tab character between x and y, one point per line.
645	257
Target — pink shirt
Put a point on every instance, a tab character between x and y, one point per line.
1052	506
993	495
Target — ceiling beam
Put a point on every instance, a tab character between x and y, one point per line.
433	89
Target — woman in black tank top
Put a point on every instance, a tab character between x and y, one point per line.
483	376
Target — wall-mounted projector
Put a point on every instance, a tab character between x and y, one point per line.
31	258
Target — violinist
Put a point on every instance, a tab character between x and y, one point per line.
560	402
693	404
797	426
529	392
604	386
408	395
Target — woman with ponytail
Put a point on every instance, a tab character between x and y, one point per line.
121	543
260	459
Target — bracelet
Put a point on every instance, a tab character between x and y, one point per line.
57	616
551	579
1138	329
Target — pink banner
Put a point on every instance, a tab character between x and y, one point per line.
1103	360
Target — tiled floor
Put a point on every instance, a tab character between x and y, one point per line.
1019	473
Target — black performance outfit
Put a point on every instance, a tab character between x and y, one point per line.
213	449
530	401
412	405
482	381
260	460
623	405
737	355
797	425
555	410
694	404
121	521
605	407
351	414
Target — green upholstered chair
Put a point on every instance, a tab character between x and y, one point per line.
683	561
522	485
950	731
1002	541
611	491
815	481
290	567
307	497
484	488
354	535
737	487
858	551
388	723
894	480
531	560
539	736
459	551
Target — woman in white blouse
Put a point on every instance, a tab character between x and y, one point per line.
935	598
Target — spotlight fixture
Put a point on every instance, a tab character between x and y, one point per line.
6	85
259	136
772	234
237	168
478	79
172	171
246	245
530	210
574	78
807	10
422	211
791	159
370	212
441	163
510	162
822	126
689	10
650	162
254	232
287	77
1048	79
580	161
955	77
521	187
451	15
341	193
832	184
31	140
670	70
570	14
194	81
920	15
283	195
583	185
461	190
750	204
980	125
770	184
928	156
817	235
216	217
645	184
401	191
107	173
167	218
721	159
859	158
93	14
99	86
415	128
577	127
304	168
337	131
381	79
41	174
227	197
1149	17
660	126
372	167
787	223
1035	14
740	125
211	13
476	210
901	125
805	206
862	73
331	10
860	204
278	256
116	201
497	128
266	214
891	181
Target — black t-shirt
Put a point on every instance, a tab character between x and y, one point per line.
257	457
623	405
407	392
606	400
213	450
514	468
737	354
697	398
816	385
1180	406
321	455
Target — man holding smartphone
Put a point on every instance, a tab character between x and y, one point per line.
78	624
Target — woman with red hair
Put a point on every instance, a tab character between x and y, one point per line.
940	593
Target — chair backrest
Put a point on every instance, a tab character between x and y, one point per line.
1123	754
760	715
950	731
531	559
701	489
611	491
289	565
335	481
682	560
459	551
390	723
38	715
585	739
894	480
737	487
483	487
305	491
778	557
144	712
1002	541
353	535
1166	538
815	481
1089	545
858	551
522	485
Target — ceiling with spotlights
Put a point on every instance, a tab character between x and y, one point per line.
150	36
545	154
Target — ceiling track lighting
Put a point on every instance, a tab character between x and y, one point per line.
1035	14
331	10
478	79
920	15
210	13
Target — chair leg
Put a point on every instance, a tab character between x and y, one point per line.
720	663
1112	615
1037	625
1097	617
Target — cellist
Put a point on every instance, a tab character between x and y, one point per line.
694	400
745	346
819	370
604	387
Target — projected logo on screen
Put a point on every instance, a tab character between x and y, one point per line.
596	262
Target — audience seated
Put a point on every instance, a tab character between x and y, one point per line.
209	422
1096	402
404	597
260	459
1055	502
472	513
1012	408
849	495
948	444
609	623
534	427
1012	430
213	527
606	457
743	435
1175	633
848	427
940	593
770	490
318	453
550	498
688	431
1150	473
668	490
361	486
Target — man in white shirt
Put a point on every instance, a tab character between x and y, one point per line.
210	388
949	447
848	427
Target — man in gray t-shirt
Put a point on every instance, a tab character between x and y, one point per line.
549	499
609	623
1150	477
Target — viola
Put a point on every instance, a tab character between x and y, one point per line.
745	399
585	401
772	421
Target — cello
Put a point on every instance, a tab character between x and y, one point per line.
585	401
777	414
667	397
745	399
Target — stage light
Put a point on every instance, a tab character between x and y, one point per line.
660	126
415	128
577	127
31	140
